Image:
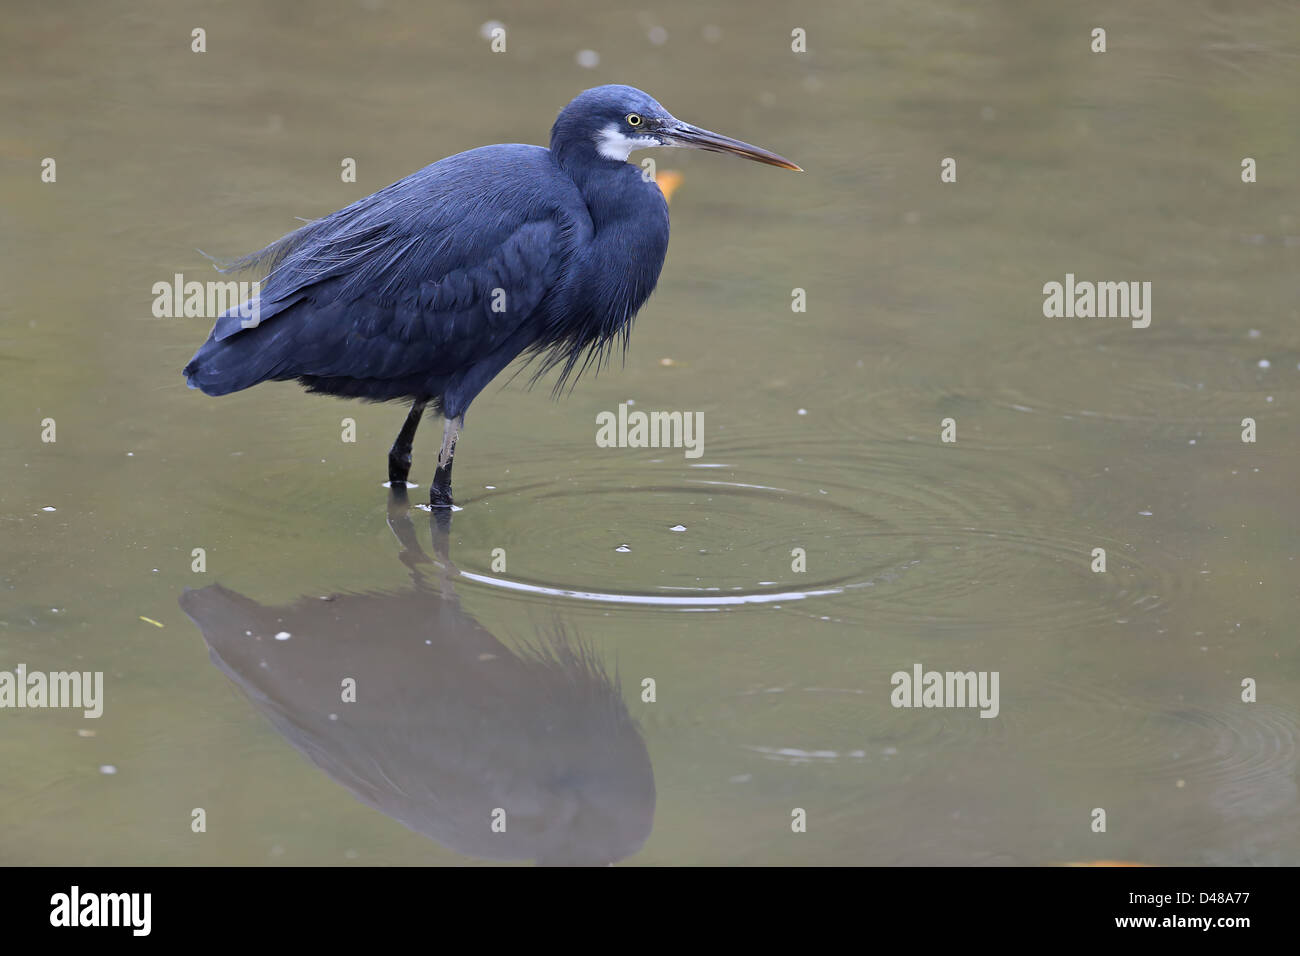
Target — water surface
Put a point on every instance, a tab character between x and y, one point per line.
1119	690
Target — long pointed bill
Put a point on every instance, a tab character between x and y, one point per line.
684	134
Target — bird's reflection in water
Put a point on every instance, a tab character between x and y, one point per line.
450	729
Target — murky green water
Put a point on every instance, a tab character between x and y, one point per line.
480	688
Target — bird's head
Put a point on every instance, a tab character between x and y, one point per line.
612	121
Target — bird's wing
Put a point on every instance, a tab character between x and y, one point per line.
432	273
424	317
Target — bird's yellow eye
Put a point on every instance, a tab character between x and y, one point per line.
633	119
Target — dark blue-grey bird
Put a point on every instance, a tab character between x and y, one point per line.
429	288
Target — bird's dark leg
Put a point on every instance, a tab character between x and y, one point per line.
399	456
440	493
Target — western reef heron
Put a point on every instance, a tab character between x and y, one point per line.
426	290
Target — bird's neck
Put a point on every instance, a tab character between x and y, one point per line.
613	190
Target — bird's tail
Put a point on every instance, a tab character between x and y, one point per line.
222	366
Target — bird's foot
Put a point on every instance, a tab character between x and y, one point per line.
399	466
440	490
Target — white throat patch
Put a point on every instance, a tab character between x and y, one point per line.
613	144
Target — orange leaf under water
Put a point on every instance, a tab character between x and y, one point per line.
668	180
